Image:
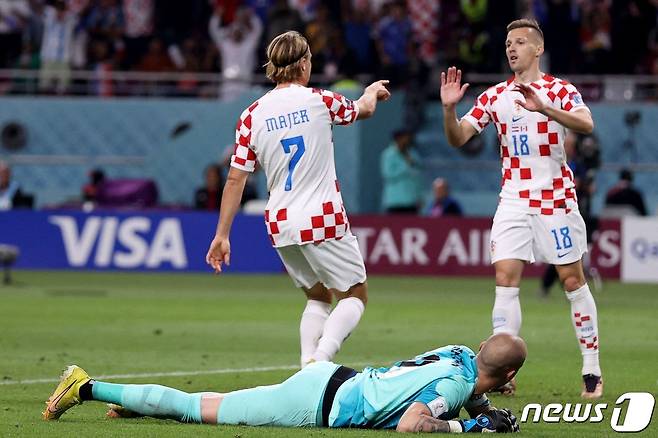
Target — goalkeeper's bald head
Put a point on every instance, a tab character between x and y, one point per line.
501	356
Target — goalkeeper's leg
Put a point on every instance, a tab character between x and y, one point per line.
147	400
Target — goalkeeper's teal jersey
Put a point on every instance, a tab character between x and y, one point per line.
443	379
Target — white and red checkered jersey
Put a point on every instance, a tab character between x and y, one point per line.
289	132
535	176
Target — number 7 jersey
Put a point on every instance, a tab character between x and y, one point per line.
288	132
535	176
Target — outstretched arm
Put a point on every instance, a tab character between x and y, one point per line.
418	418
452	91
579	120
373	93
220	247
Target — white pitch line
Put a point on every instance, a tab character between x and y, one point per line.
167	374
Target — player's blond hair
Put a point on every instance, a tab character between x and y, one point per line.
284	56
526	22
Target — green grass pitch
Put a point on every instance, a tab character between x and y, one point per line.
205	326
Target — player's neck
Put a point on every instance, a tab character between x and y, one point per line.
528	76
289	84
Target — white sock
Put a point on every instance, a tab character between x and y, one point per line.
506	315
584	318
338	327
311	326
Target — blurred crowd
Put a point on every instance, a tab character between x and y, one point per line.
399	39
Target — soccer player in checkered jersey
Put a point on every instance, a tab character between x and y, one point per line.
537	216
289	132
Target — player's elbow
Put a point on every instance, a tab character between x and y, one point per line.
589	127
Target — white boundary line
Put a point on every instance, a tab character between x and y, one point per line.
167	374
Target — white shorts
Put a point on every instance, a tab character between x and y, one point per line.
337	264
555	239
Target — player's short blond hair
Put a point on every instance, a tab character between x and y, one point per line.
284	56
526	22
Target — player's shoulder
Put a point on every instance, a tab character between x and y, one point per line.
494	90
554	79
251	108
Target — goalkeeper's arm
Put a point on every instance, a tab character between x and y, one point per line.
418	418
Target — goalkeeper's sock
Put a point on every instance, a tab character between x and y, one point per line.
506	315
311	326
151	400
585	322
337	328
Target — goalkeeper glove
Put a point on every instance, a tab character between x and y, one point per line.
496	420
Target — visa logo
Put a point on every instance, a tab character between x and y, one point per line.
122	243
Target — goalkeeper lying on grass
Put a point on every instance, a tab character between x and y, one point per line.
424	394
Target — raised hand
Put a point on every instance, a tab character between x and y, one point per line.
219	253
380	89
452	90
532	100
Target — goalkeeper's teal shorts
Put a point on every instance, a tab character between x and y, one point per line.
294	403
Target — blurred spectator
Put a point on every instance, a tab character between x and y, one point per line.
561	34
595	38
102	66
474	10
444	204
33	31
237	45
400	167
393	43
623	193
209	197
11	195
282	18
357	31
13	16
105	21
56	47
138	16
317	33
156	59
424	15
632	21
90	191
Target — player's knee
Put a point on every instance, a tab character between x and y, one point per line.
573	282
319	293
359	291
507	279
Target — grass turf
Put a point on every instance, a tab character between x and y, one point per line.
119	323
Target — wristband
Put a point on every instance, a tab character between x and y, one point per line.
455	426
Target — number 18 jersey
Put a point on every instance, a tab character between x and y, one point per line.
288	132
535	176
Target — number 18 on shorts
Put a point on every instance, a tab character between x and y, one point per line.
556	239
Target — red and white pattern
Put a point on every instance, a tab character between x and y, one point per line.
289	132
244	158
535	175
331	224
425	25
342	110
592	343
272	223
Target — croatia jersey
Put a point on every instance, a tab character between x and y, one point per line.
289	132
443	379
535	176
